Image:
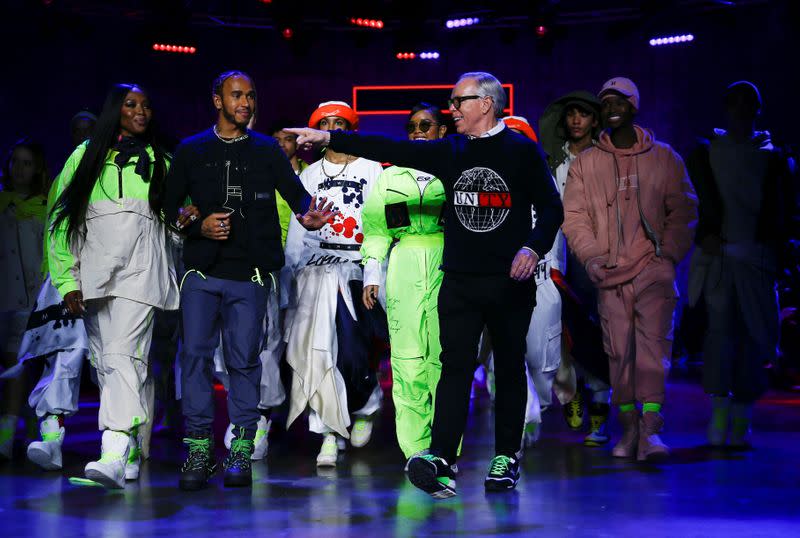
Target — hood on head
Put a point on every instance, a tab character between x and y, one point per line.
552	134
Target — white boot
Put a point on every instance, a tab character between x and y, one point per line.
228	436
262	439
47	452
109	470
329	451
718	425
134	461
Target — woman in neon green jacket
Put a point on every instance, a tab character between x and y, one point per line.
108	258
404	210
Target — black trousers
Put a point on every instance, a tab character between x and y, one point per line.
467	303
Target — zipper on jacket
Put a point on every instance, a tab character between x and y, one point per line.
119	172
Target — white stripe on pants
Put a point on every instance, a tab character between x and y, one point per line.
120	333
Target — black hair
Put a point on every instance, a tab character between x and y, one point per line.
431	109
745	90
73	202
216	88
280	124
41	177
588	108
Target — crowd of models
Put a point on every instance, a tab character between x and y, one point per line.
548	257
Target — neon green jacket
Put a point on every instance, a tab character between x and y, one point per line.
122	249
395	208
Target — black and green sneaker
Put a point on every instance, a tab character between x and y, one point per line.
200	464
503	474
432	475
238	470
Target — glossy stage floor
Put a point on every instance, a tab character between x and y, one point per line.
566	489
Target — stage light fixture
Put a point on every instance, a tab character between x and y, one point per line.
183	49
287	33
460	23
671	40
367	23
541	30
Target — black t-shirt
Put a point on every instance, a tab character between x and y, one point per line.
238	178
490	184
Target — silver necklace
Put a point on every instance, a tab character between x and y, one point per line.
231	140
341	172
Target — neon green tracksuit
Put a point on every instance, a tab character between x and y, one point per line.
397	210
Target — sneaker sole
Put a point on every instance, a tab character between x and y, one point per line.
595	444
43	459
657	457
103	479
237	481
192	485
504	484
423	476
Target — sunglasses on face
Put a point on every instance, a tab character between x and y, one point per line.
455	102
423	126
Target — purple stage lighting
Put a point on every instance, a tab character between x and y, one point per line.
671	40
429	55
460	23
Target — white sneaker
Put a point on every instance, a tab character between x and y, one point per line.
109	470
329	452
228	436
262	439
361	432
134	461
47	452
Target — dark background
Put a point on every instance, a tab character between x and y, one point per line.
59	57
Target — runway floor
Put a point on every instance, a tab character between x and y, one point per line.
566	489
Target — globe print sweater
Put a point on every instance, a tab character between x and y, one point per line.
491	184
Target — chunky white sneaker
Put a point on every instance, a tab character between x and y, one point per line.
134	461
361	432
329	452
47	452
109	470
262	439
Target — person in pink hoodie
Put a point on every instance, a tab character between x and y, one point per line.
629	217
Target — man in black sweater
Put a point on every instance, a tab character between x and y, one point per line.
492	177
230	174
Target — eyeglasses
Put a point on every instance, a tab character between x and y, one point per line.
424	126
455	102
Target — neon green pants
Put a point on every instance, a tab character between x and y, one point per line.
412	291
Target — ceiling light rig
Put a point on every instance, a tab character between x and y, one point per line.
671	40
427	55
182	49
452	24
377	24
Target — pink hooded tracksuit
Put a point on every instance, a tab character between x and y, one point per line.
629	217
